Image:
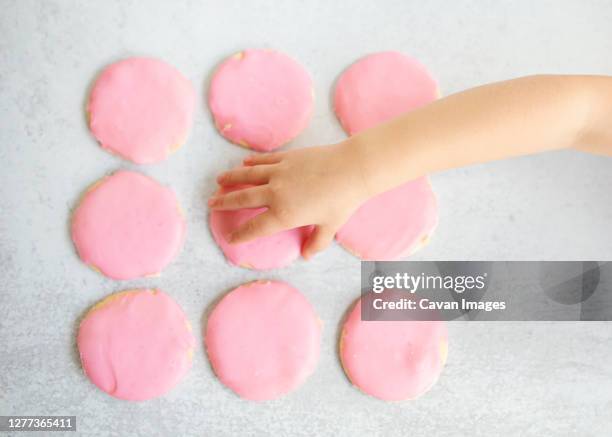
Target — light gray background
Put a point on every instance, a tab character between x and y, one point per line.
501	378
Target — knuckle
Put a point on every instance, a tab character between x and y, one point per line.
283	165
234	176
274	183
283	215
277	190
249	172
244	230
248	227
242	198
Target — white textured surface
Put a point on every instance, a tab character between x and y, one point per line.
501	379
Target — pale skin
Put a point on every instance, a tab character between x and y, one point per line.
324	185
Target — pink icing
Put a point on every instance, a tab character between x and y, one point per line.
376	89
141	109
263	340
393	360
261	99
271	252
380	87
393	224
128	226
136	345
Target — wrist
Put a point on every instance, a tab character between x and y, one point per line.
352	170
596	135
382	163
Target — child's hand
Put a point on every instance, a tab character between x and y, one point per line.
322	186
318	186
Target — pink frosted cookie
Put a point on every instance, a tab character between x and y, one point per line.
271	252
263	340
261	99
128	226
380	87
141	109
393	224
373	90
393	360
136	345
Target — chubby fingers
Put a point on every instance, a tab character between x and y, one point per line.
252	197
263	158
259	226
255	175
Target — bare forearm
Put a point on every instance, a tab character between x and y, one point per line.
323	185
517	117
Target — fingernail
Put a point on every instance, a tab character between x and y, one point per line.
231	238
248	160
221	177
212	201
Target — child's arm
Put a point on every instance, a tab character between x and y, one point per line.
324	185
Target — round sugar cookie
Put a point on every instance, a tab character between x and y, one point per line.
263	340
136	345
141	109
271	252
261	99
128	226
393	224
393	360
376	89
380	87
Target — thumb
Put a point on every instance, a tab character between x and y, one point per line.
318	240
